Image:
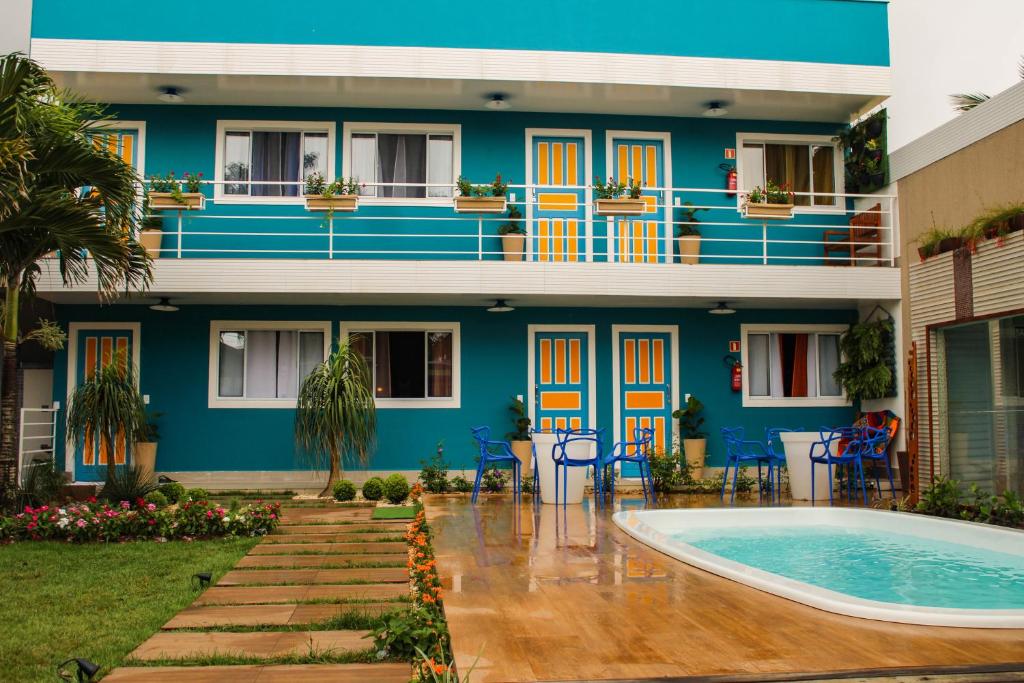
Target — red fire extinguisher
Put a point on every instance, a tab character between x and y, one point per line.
735	372
730	178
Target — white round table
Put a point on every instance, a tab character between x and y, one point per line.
797	446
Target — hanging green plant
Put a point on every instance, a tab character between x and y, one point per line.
868	368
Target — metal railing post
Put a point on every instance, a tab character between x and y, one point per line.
330	237
180	231
480	238
764	242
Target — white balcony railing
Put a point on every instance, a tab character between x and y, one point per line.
430	229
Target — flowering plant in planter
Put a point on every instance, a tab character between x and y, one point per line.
771	193
165	192
611	189
618	198
488	198
340	195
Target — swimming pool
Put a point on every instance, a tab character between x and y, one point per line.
864	563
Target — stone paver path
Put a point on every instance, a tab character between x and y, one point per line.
321	563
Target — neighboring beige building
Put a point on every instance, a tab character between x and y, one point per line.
963	310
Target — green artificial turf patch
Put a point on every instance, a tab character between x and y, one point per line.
399	512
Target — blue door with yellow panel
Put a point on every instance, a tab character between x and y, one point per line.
561	381
97	349
645	389
559	203
645	238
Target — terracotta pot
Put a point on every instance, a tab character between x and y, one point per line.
768	211
695	451
949	244
689	249
144	455
344	203
151	240
524	451
512	246
923	252
621	206
480	205
1017	222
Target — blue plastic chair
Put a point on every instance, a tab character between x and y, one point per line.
739	451
493	452
877	448
636	451
849	456
562	459
771	437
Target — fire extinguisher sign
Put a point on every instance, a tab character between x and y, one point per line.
734	347
730	153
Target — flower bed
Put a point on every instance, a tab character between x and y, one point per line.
92	521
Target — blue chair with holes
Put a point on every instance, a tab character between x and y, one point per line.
772	437
636	451
560	454
741	452
494	452
877	449
841	447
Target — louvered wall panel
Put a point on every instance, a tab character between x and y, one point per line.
998	280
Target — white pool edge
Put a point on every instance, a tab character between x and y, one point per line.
632	523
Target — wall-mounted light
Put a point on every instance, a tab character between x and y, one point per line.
497	102
164	306
500	306
715	109
721	309
171	95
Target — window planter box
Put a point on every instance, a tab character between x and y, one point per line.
770	212
480	205
165	201
623	206
346	203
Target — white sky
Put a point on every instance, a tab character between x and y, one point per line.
940	47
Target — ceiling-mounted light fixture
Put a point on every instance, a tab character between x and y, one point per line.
164	306
715	109
171	95
497	102
500	306
721	309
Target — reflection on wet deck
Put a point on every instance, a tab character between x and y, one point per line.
546	593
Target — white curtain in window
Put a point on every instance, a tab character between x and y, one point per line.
401	159
364	161
753	166
775	356
311	353
757	357
439	165
828	353
231	364
287	363
261	364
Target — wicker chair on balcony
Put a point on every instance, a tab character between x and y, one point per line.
861	242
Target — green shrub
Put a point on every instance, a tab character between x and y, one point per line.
396	488
127	483
460	484
434	474
344	490
197	494
665	472
42	484
156	498
373	488
493	480
173	491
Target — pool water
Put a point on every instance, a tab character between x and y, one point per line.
873	565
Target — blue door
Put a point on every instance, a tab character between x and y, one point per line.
640	239
98	349
559	212
645	389
561	382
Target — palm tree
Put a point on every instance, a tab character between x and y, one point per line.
335	417
967	101
108	404
47	155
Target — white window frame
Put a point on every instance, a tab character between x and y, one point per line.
785	139
225	125
349	327
789	402
218	326
453	129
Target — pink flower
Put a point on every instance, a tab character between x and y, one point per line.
151	507
152	522
273	516
209	514
45	508
80	523
125	505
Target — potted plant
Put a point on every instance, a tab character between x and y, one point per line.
772	202
152	234
938	241
613	198
340	195
519	439
867	368
687	234
513	237
695	441
481	198
144	449
165	192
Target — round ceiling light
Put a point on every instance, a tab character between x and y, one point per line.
171	95
721	309
497	102
500	306
164	306
715	109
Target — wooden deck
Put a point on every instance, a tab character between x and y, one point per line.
539	597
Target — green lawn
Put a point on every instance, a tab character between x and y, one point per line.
401	512
96	601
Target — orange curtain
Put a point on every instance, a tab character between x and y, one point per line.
799	365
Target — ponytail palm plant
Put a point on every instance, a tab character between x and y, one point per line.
48	154
107	404
335	416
